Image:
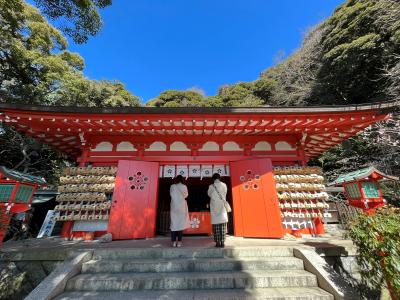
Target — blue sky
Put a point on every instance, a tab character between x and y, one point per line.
156	45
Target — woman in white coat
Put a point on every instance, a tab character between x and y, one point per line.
179	211
219	216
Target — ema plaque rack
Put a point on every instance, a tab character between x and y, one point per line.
85	193
302	196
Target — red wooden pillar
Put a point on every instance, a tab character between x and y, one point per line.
301	153
194	148
66	229
319	226
83	158
5	220
247	148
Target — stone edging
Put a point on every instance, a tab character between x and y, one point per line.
54	284
327	278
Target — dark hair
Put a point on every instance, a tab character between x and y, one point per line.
179	179
216	176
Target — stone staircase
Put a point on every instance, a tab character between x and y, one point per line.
193	273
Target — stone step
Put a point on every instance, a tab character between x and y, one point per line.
156	253
191	280
192	265
303	293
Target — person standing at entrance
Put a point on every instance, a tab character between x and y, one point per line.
179	210
219	216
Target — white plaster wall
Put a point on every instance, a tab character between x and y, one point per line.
231	146
262	146
125	146
283	146
210	146
103	146
178	146
157	146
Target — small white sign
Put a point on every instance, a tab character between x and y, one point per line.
219	169
194	171
183	171
206	171
169	171
48	224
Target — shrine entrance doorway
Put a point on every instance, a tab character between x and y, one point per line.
198	204
140	205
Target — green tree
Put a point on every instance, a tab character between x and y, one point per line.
36	68
393	76
29	155
173	98
80	91
362	37
295	77
240	94
79	19
349	58
33	59
253	93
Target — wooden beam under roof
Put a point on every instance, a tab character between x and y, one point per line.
336	122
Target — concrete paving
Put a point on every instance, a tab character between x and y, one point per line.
55	248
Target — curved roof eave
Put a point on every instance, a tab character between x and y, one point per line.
381	106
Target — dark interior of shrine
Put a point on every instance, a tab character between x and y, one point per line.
198	200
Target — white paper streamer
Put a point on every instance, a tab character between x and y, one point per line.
194	171
182	170
219	169
169	171
206	171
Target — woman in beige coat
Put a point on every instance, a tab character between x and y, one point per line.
219	216
179	211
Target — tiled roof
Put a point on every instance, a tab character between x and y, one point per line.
22	177
360	174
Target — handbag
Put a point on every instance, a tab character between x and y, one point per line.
226	204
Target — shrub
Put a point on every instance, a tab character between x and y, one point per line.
377	238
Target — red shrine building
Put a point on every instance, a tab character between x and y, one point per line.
261	154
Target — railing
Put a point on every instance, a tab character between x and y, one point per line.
346	212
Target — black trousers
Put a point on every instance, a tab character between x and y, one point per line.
176	234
